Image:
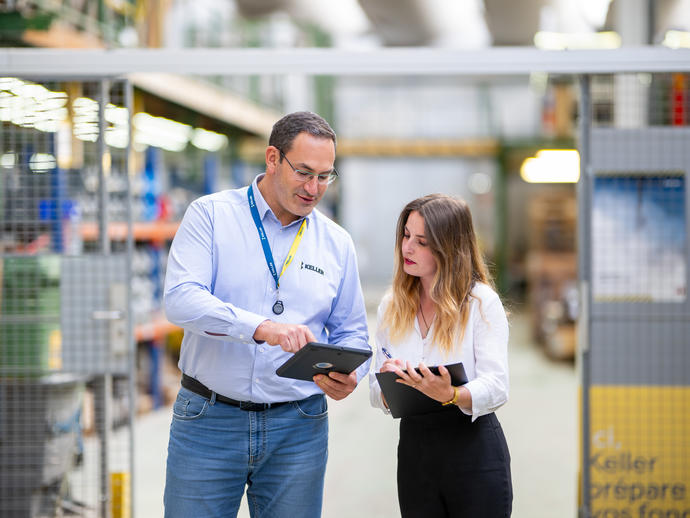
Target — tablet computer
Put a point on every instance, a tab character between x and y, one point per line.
404	401
315	358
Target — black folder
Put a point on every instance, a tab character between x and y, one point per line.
406	401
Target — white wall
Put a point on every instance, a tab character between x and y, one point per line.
375	189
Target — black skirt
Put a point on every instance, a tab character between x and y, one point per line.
451	467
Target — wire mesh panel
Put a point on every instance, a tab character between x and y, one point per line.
638	433
69	269
65	341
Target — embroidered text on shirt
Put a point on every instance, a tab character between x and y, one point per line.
311	267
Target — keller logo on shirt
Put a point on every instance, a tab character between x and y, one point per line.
303	265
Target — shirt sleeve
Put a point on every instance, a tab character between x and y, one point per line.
489	388
380	340
347	322
188	299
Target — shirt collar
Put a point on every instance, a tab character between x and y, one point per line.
263	208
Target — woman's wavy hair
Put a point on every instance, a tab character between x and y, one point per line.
450	235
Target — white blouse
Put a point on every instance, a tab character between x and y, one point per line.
483	352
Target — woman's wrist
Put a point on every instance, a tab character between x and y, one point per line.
464	401
453	399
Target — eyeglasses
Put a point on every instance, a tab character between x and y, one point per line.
305	176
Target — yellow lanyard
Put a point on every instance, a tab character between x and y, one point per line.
293	250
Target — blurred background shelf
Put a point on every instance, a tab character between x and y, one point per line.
141	231
156	329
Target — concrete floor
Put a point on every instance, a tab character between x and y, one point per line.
540	422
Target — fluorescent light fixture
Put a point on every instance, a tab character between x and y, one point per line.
7	101
49	121
582	40
31	105
42	162
85	119
552	166
160	132
85	107
8	160
208	140
117	135
9	83
479	183
117	115
38	92
677	39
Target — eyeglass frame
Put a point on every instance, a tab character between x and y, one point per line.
331	177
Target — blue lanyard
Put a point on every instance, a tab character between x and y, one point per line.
264	240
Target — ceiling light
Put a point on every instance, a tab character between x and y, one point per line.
582	40
677	39
9	83
42	162
7	160
479	183
160	132
208	140
552	166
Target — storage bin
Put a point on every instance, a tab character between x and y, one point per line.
39	441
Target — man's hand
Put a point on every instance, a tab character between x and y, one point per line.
336	385
290	337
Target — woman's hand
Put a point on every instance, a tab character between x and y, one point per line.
436	387
392	365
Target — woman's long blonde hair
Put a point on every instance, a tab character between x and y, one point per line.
450	236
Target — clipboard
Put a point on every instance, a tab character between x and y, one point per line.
316	358
406	401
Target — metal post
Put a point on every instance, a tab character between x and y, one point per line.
129	104
103	168
584	193
104	386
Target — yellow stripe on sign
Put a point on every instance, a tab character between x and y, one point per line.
640	451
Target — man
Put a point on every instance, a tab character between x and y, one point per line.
246	304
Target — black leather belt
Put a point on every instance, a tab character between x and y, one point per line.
199	388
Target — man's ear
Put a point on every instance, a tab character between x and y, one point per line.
272	158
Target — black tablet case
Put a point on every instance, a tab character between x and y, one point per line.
406	401
303	365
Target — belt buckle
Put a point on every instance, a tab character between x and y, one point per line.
250	406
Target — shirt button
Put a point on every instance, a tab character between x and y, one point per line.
241	337
256	379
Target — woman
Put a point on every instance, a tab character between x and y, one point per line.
442	309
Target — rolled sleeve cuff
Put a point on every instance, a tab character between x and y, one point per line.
375	397
480	398
363	370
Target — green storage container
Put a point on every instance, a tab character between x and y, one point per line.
30	341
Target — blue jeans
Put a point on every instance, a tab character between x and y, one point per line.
215	450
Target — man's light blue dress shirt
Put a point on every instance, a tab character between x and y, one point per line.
218	281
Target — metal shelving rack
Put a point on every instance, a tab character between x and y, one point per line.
66	348
614	343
